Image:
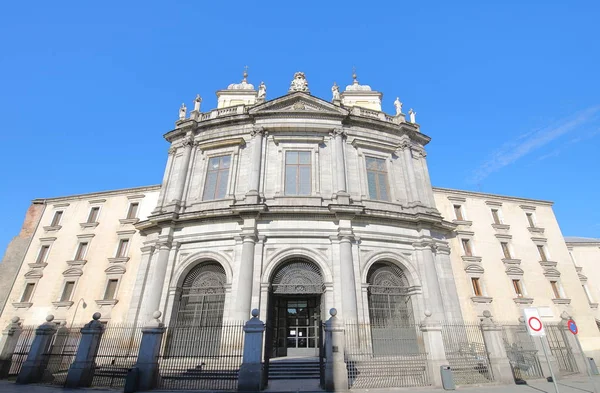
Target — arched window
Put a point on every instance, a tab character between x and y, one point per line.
389	301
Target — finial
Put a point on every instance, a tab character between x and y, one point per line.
245	73
333	312
255	313
197	103
50	318
15	319
427	313
487	314
156	314
96	316
355	81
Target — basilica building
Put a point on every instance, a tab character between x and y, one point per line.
295	205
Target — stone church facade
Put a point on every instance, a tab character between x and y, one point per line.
295	205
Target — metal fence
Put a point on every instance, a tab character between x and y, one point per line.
380	356
560	348
522	352
201	357
61	354
117	353
21	350
466	353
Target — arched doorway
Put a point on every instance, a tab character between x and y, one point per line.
390	309
295	309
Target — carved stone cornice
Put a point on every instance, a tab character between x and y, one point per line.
172	150
338	131
163	245
257	130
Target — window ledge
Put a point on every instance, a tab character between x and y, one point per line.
118	260
66	304
511	261
79	262
128	220
594	305
471	258
89	224
536	230
22	304
523	300
505	227
578	269
463	222
548	263
38	265
110	302
51	228
561	301
482	299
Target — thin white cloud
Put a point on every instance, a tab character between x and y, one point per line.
531	141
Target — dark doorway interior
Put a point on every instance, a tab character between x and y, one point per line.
295	322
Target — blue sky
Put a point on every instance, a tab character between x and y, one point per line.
509	92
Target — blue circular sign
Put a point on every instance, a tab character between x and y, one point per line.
572	326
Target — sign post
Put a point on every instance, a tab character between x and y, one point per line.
574	329
535	327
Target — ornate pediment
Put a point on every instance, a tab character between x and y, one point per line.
73	272
475	269
515	270
298	102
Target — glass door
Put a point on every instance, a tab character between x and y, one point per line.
302	326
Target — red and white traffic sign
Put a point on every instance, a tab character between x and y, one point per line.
572	326
535	327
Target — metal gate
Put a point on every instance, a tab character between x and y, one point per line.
466	353
210	361
403	362
118	352
521	352
61	354
557	341
21	350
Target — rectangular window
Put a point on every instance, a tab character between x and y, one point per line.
43	254
111	289
122	249
506	250
466	244
216	178
298	176
81	251
458	212
56	218
555	289
518	288
27	292
133	209
496	216
93	217
67	291
476	286
530	220
542	253
377	179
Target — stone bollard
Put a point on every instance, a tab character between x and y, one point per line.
34	367
250	377
434	347
8	343
336	371
499	362
572	341
81	372
147	361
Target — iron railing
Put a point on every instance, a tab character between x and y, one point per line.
522	352
21	350
61	354
118	352
201	357
466	353
560	348
381	356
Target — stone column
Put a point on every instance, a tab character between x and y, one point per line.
35	365
179	185
492	337
253	195
336	372
250	377
81	372
243	300
434	347
147	361
571	340
155	281
413	193
349	306
434	301
343	197
8	343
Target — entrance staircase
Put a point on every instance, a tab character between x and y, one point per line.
296	369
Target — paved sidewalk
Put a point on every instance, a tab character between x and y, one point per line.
565	385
